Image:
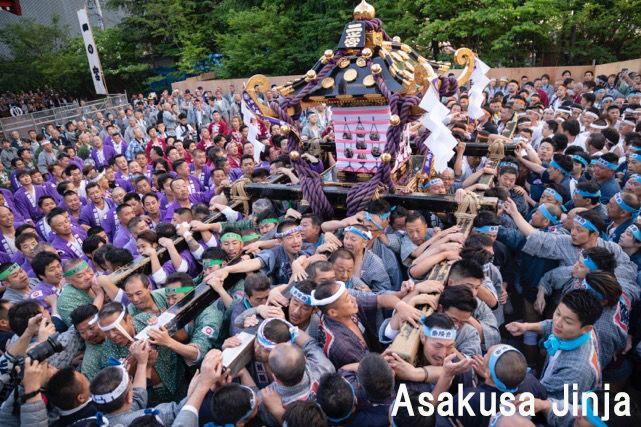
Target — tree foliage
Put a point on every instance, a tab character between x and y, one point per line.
285	37
45	56
536	32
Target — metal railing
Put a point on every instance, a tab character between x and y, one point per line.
61	115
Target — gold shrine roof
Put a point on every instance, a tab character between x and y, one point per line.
351	80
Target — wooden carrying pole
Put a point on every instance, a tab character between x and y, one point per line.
407	342
121	274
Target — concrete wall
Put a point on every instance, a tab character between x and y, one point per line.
193	82
510	73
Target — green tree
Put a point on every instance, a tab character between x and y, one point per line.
29	45
534	32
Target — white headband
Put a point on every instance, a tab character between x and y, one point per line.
331	299
94	319
116	325
591	114
595	126
439	333
115	393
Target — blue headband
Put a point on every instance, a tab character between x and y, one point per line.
366	235
386	215
590	413
494	358
635	232
268	344
587	194
252	407
635	177
368	217
635	156
509	164
552	192
555	165
430	183
580	159
623	205
585	223
300	296
593	291
547	214
589	263
288	232
334	420
604	163
487	229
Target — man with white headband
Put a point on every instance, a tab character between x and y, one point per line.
120	400
438	340
368	267
348	324
80	289
118	326
297	367
300	311
120	329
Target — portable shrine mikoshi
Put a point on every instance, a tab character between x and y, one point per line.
374	84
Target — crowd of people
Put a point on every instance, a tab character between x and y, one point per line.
544	292
29	102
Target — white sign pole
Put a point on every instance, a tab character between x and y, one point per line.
95	68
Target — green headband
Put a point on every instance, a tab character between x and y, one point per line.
9	271
211	262
252	236
76	269
184	290
230	236
269	220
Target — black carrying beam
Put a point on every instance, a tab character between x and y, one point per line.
337	196
471	148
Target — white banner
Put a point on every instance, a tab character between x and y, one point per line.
97	76
479	82
440	142
254	131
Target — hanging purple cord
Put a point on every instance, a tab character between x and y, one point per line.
310	181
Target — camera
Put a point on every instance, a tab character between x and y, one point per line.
46	349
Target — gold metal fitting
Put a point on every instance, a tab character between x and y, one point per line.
386	157
367	53
285	129
394	120
310	75
294	155
376	69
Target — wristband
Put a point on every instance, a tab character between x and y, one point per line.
28	396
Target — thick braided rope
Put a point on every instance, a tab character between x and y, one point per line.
238	194
310	181
376	25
